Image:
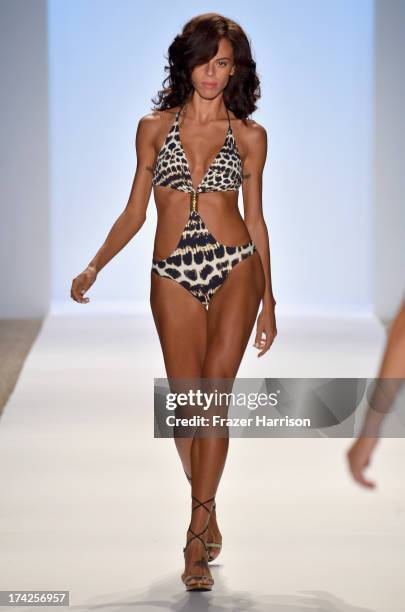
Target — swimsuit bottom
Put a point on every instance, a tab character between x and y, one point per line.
200	263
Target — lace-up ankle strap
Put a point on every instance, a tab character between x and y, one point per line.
197	536
200	503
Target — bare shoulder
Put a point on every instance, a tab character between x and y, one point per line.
254	134
157	118
152	125
250	135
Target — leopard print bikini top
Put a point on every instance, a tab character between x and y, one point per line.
172	169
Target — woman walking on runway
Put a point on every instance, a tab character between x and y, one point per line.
210	267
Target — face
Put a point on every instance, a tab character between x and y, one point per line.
211	78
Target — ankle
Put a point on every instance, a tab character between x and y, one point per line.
196	550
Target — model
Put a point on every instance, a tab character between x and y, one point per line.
210	267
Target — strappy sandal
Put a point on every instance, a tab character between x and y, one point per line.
209	545
198	582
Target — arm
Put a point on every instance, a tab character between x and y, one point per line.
253	165
133	216
392	367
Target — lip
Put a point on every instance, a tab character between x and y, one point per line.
209	85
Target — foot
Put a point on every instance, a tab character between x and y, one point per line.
213	537
213	534
197	574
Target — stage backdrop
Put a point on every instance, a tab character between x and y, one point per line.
77	77
315	62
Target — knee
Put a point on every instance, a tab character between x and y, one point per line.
217	369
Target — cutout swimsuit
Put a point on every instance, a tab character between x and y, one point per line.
199	262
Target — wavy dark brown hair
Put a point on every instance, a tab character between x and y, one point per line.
196	45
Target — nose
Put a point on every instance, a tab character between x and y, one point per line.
210	69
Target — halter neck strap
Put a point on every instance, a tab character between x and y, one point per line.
229	119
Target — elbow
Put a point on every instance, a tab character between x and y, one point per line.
255	223
136	216
139	222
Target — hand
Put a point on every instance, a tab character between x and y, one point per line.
266	325
82	283
359	457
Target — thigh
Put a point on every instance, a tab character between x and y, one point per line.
181	323
231	315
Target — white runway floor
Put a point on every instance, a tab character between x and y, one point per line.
93	504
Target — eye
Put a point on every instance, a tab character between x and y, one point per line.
223	63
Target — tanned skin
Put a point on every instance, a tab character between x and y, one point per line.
197	343
392	367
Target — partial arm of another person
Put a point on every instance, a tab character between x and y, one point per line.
392	367
253	166
131	219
